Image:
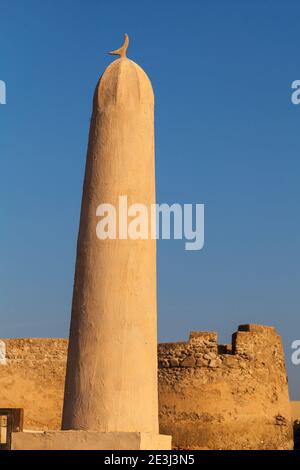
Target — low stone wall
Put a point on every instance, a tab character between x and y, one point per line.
225	396
32	375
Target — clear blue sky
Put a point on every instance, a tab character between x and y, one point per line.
227	136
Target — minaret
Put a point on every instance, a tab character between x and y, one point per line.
111	396
111	382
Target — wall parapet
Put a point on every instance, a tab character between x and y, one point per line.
34	349
202	348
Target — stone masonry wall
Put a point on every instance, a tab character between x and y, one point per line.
232	396
210	396
32	375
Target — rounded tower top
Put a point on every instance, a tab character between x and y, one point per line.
123	83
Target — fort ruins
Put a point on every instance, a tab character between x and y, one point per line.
211	396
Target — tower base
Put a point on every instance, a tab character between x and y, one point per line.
89	440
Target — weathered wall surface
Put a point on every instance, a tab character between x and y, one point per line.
219	397
295	410
32	374
225	397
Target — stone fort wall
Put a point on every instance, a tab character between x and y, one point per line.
212	396
32	374
232	396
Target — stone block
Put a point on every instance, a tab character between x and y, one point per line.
89	440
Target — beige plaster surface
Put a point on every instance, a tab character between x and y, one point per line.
111	382
89	440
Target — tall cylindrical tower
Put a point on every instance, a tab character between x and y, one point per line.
111	382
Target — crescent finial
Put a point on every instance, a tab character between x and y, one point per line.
122	50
